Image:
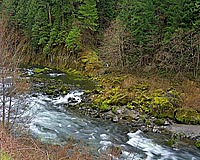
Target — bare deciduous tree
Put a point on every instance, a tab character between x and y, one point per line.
11	85
117	48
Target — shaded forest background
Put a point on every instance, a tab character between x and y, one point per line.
121	35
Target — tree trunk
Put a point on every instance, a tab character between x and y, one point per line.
3	103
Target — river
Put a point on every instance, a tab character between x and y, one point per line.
48	119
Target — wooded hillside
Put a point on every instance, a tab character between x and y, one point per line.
126	34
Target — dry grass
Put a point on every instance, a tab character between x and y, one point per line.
191	94
154	82
189	89
17	150
26	148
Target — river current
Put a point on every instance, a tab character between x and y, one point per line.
48	119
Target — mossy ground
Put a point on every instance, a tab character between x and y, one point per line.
161	98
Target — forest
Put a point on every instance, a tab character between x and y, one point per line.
139	61
124	35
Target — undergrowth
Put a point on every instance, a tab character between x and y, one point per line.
26	148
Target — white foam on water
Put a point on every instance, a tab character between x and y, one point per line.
104	136
150	148
72	98
92	136
56	74
131	156
36	106
29	72
106	143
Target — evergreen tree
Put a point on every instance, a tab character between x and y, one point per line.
87	15
107	11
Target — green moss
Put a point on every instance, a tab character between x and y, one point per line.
142	103
5	156
38	70
52	87
90	62
130	106
187	116
141	87
59	80
63	88
104	107
114	96
49	92
114	110
46	69
197	144
41	70
87	91
143	117
147	122
159	122
162	108
173	92
174	96
118	99
170	142
158	93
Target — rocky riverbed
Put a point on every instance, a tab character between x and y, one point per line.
115	103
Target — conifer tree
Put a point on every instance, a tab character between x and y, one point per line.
87	14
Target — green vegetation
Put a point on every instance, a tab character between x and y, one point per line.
160	102
126	35
105	38
188	116
41	70
197	144
5	156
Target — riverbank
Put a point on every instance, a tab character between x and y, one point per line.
57	108
155	104
151	104
26	148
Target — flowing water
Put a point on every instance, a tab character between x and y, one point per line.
51	122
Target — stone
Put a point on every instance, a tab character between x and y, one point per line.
187	116
115	119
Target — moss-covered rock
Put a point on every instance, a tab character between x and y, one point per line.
187	116
49	92
170	142
110	97
137	95
159	122
197	144
104	107
142	103
63	89
41	70
162	108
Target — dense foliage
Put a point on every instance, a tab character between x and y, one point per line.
147	34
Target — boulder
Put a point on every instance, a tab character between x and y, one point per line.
187	116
